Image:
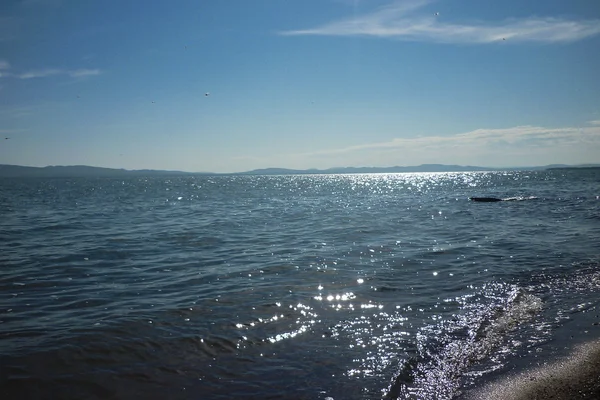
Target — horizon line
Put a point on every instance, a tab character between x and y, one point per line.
318	170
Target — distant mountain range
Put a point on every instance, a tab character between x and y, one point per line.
78	171
87	171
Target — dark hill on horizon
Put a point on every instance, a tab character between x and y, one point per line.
74	171
369	170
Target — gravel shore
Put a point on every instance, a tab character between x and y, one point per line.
576	376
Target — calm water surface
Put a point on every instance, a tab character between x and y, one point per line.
291	287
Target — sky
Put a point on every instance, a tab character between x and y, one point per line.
236	85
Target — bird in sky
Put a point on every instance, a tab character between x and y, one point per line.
207	94
437	14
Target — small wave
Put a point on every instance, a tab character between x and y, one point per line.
520	198
448	351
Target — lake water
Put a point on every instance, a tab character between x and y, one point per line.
292	287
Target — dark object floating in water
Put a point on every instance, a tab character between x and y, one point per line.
494	199
485	199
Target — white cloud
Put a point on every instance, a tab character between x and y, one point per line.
348	2
79	73
519	137
595	122
406	21
42	73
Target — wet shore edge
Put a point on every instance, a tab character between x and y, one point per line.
575	376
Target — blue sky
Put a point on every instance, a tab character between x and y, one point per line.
299	83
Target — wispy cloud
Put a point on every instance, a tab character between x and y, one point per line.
513	146
595	122
406	20
348	2
519	136
4	65
46	72
42	73
80	73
